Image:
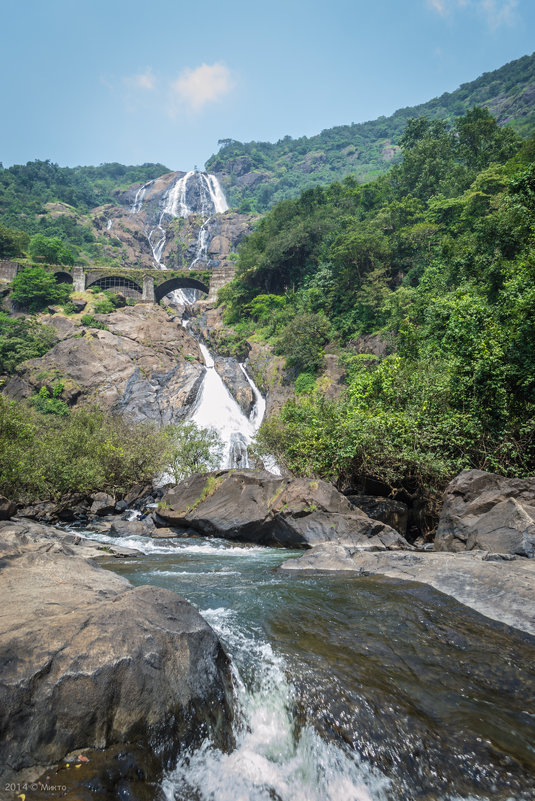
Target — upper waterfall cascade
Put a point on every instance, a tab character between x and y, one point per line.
192	193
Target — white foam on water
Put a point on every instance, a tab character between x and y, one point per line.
148	545
196	572
269	760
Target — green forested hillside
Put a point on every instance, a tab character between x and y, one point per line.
438	258
29	194
256	175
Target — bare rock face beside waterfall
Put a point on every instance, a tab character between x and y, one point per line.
87	660
179	220
145	365
485	511
254	506
235	381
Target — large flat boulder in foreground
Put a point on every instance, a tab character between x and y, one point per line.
485	511
87	660
258	507
500	588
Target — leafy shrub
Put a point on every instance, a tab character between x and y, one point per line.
302	341
34	288
191	450
13	243
304	383
50	403
50	456
22	339
104	306
91	322
50	250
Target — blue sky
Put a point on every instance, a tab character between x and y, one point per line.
162	81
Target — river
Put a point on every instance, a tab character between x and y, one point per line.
349	689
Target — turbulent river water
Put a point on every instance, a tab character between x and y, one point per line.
349	689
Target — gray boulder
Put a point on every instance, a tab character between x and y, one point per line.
254	506
88	661
488	512
507	528
79	304
102	504
130	528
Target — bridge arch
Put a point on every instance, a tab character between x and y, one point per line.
118	283
178	283
63	277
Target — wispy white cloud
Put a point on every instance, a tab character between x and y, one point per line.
195	88
440	6
496	13
143	80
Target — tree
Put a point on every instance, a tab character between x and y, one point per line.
482	141
12	242
191	449
34	288
302	341
50	249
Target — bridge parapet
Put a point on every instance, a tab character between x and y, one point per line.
148	285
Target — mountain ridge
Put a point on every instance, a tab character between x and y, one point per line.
256	175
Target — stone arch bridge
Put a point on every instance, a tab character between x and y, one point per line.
146	285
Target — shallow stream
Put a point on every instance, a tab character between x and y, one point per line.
350	689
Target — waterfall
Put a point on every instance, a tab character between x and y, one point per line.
216	193
138	200
202	244
208	200
216	408
176	204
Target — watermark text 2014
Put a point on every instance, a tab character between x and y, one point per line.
34	787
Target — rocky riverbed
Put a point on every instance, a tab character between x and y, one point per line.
90	662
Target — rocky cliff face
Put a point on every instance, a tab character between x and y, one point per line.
179	220
145	364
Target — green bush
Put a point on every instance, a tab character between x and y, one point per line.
50	403
91	322
302	341
22	339
50	249
304	383
35	288
191	450
90	450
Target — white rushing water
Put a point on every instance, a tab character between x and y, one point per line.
138	200
216	408
192	193
271	760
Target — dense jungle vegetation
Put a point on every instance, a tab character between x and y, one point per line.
437	257
28	223
281	170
